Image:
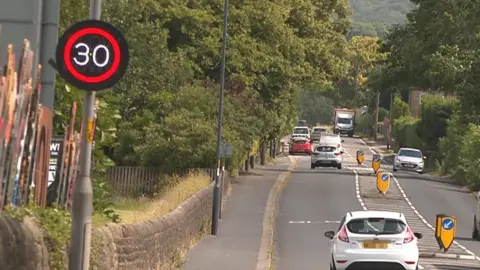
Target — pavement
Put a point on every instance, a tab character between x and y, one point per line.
313	201
241	229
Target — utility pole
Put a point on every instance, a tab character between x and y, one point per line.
377	110
217	186
355	87
389	142
224	153
82	208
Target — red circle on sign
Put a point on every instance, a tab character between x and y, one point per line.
91	31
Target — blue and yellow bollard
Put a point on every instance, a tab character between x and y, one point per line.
383	182
360	157
445	229
376	161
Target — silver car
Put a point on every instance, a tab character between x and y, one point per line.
409	159
326	155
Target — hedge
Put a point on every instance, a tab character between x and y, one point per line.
405	132
435	112
469	157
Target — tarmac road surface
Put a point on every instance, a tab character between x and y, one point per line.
313	201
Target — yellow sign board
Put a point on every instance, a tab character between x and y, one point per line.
90	130
445	229
383	182
360	157
376	161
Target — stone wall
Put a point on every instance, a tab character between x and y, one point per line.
22	245
156	244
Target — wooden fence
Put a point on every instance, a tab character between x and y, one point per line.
141	181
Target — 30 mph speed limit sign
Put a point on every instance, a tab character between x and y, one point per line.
92	55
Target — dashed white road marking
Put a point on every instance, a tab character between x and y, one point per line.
408	202
336	221
313	222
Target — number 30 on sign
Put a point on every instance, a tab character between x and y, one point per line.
92	55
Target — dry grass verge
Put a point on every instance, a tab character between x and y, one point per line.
172	194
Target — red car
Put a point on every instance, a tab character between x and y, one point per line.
301	145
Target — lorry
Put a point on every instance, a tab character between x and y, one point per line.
344	121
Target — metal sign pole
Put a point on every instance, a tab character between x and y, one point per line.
82	208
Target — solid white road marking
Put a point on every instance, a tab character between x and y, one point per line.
413	208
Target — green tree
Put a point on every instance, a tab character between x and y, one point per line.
400	109
163	112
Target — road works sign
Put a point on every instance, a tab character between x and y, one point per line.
445	229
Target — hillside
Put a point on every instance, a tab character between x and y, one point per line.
374	17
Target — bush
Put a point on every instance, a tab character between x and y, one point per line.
400	109
405	132
382	113
449	148
436	110
365	122
470	157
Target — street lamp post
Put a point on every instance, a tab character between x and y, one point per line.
82	208
217	185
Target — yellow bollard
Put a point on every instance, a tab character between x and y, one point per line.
445	229
360	157
383	182
376	161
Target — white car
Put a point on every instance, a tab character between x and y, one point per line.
326	155
409	159
331	139
374	240
301	132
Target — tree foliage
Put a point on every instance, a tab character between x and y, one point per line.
436	51
163	112
436	110
364	55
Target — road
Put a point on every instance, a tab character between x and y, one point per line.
431	196
313	201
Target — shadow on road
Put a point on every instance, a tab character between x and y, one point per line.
455	189
454	267
424	177
460	238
